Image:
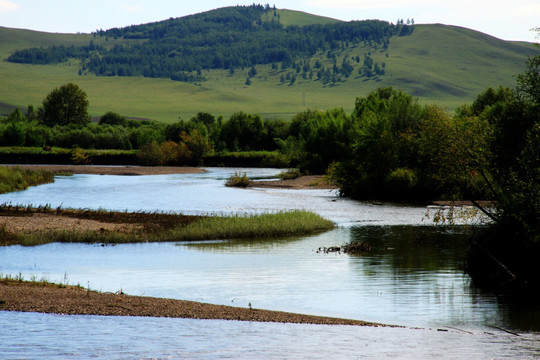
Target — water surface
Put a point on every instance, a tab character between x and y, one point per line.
413	276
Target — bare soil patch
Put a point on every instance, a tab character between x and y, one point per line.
302	182
51	222
18	221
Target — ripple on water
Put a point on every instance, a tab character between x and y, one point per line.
39	336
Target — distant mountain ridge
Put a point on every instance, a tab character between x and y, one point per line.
255	59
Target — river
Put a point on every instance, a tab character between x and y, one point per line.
412	277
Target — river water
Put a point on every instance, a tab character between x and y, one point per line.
412	277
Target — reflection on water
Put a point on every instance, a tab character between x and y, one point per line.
405	280
413	276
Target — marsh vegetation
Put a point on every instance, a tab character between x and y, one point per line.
17	178
26	225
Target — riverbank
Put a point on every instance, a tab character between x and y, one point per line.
301	182
44	297
115	170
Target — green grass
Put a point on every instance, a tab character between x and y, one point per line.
16	178
281	224
160	227
298	18
439	64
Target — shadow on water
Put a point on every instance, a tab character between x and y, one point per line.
415	248
411	253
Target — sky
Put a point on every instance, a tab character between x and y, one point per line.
507	20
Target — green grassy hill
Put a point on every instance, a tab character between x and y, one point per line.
299	18
439	64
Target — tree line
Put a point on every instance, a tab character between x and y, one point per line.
63	121
226	38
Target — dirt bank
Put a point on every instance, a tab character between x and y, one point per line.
302	182
57	299
117	170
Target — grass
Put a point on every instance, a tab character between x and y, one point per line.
439	64
280	224
160	227
16	178
298	18
19	280
289	174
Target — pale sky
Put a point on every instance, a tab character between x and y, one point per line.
508	20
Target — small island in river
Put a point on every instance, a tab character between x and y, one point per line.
44	297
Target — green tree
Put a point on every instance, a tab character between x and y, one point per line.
198	144
505	255
317	139
65	105
16	116
383	140
15	133
243	132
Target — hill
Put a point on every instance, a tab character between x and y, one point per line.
438	63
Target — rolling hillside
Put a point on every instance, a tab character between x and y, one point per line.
439	64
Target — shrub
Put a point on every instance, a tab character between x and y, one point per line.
402	178
80	156
289	174
238	180
112	118
151	155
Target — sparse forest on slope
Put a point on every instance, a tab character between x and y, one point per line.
227	38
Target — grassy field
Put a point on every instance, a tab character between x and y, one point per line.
299	18
439	64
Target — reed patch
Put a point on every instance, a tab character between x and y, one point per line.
29	226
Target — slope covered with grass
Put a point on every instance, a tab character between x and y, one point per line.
439	64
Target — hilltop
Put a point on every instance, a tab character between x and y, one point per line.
261	60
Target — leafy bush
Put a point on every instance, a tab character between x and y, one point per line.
289	174
151	155
402	178
80	157
238	180
111	118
